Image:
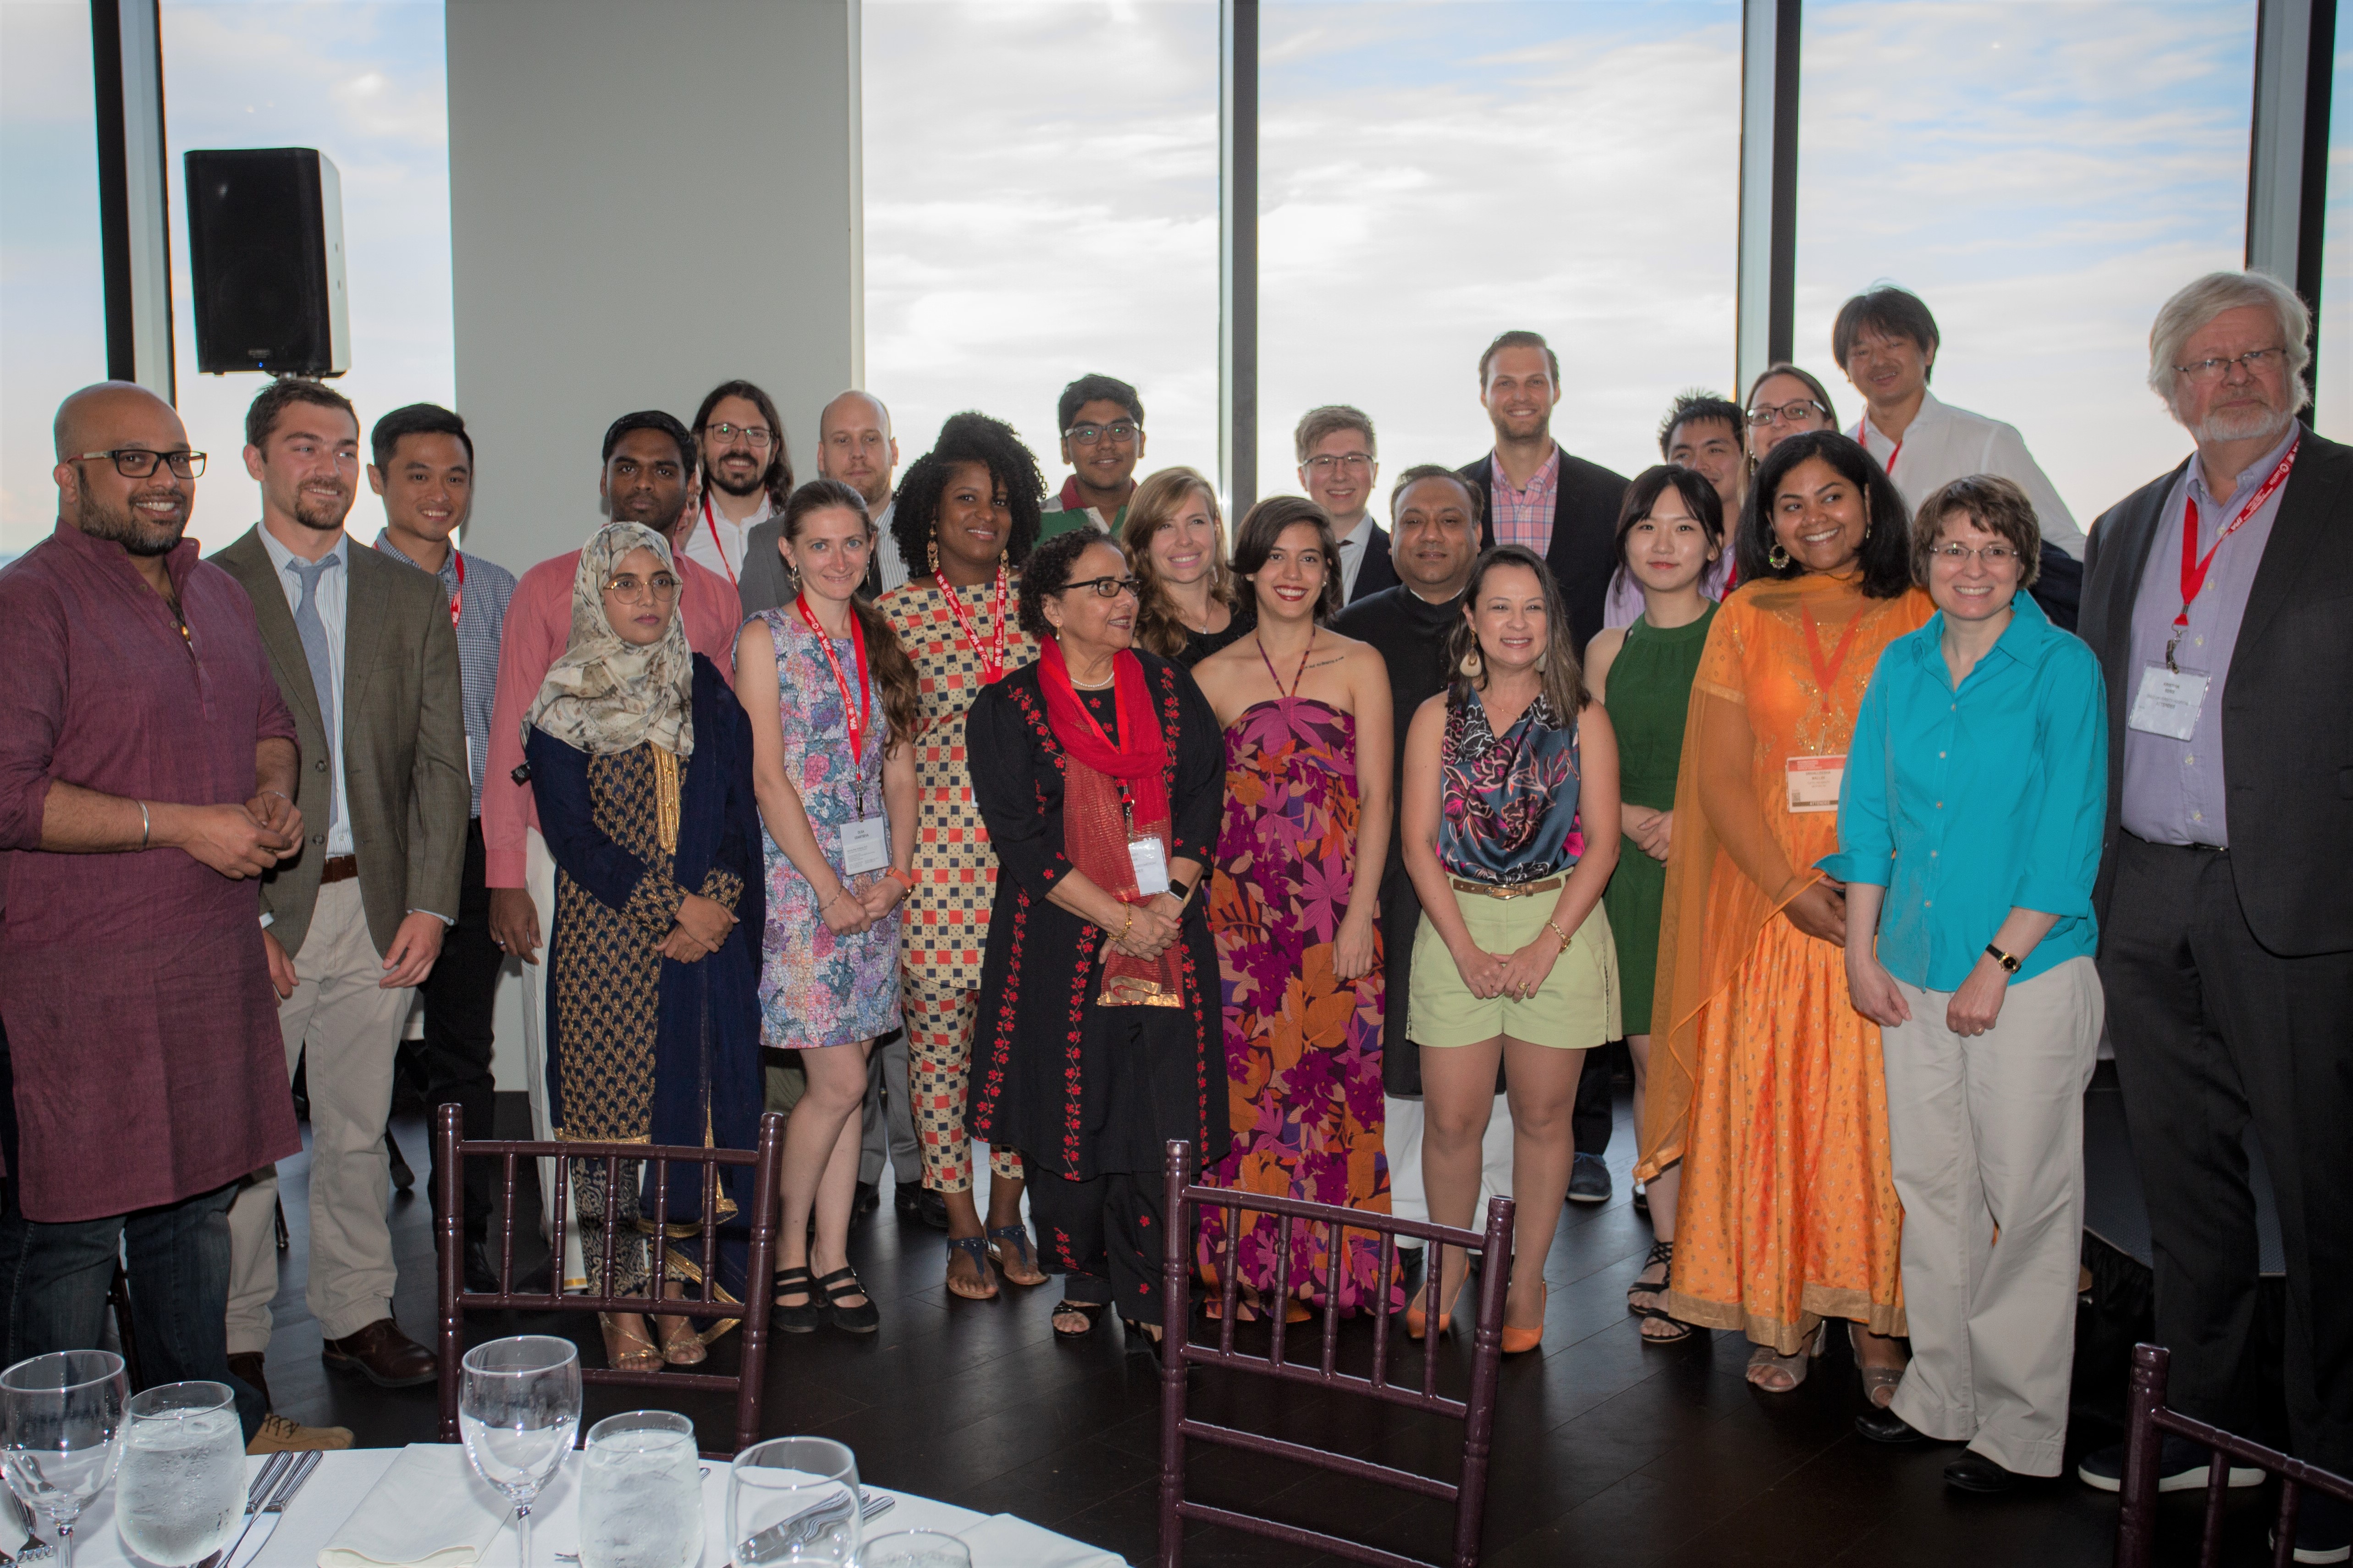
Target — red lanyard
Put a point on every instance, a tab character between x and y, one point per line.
1826	673
992	657
2193	566
711	524
858	722
458	598
1859	426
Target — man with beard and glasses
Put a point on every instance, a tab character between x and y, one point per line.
646	456
147	782
1562	507
746	474
364	654
854	445
2215	599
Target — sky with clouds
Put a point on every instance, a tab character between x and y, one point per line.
1041	200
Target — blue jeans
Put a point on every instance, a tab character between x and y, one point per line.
53	1280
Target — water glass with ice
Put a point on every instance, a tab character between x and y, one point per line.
518	1406
642	1493
180	1495
793	1500
61	1419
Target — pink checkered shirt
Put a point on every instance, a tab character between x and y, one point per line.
1525	516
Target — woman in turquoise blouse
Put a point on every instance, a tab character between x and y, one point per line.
1968	837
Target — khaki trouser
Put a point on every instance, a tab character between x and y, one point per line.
1401	1142
1986	1134
539	881
349	1026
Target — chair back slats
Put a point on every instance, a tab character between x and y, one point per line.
1292	1218
751	1315
2148	1420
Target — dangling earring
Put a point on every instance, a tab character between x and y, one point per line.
931	551
1471	667
1777	557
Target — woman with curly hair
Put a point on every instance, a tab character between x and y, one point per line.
966	518
1176	544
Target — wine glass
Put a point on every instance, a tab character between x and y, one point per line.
642	1493
915	1548
518	1406
793	1500
181	1496
61	1418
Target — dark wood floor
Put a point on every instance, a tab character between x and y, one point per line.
1606	1452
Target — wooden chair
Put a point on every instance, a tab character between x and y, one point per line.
451	1148
2149	1421
1469	1496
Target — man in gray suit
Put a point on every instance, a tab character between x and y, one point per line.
364	654
854	445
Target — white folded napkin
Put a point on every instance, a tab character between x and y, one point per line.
1003	1541
429	1510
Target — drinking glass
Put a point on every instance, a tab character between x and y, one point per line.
518	1406
642	1493
181	1496
793	1500
60	1433
915	1548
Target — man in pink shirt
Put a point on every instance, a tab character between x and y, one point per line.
648	457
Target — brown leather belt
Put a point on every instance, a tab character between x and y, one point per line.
1506	889
339	869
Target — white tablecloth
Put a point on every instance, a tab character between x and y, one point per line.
343	1479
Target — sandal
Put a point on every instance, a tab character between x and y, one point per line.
1010	1249
978	1248
627	1350
1776	1374
1663	1253
862	1319
1086	1312
1142	1339
802	1319
1878	1382
681	1343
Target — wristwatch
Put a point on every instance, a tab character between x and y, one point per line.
2008	963
1183	890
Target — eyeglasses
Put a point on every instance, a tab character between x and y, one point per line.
1123	431
1993	554
2206	370
1106	587
624	588
1323	465
756	436
1804	408
137	462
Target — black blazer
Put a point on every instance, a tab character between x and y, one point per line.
2287	709
1584	535
1378	572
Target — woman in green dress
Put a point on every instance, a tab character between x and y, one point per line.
1669	531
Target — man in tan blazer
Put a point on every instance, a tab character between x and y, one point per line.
364	654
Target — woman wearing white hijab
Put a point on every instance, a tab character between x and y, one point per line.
641	762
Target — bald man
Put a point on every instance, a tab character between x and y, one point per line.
147	780
854	445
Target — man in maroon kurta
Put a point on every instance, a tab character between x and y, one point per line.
147	767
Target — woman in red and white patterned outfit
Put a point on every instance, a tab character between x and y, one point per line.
966	515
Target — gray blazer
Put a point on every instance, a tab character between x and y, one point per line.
765	585
404	728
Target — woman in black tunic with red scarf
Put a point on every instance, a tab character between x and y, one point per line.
1099	772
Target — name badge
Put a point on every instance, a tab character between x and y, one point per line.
865	845
2169	703
1814	783
1151	863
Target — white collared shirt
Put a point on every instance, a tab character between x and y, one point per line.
1943	443
716	544
1352	554
334	594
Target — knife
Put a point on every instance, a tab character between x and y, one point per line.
265	1524
264	1482
807	1525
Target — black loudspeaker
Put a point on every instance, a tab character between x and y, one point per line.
266	251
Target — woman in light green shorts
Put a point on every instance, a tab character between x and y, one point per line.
1510	834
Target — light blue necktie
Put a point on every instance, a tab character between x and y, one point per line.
313	633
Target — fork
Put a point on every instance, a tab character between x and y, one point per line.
36	1550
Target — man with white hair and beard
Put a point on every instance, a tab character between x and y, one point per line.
2215	599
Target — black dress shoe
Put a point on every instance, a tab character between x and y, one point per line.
1886	1427
869	1199
403	1178
1971	1471
921	1203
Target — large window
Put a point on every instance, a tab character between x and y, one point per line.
1041	201
52	306
2043	175
2333	376
1434	174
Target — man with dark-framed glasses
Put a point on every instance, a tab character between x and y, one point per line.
1102	423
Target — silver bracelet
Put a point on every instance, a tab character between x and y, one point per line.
145	825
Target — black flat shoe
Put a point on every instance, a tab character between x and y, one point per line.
1971	1471
862	1319
1886	1427
802	1319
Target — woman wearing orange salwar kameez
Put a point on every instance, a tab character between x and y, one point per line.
1769	1089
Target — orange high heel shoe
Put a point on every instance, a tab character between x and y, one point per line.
1417	1317
1519	1341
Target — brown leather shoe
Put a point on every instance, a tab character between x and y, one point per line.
384	1355
247	1368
